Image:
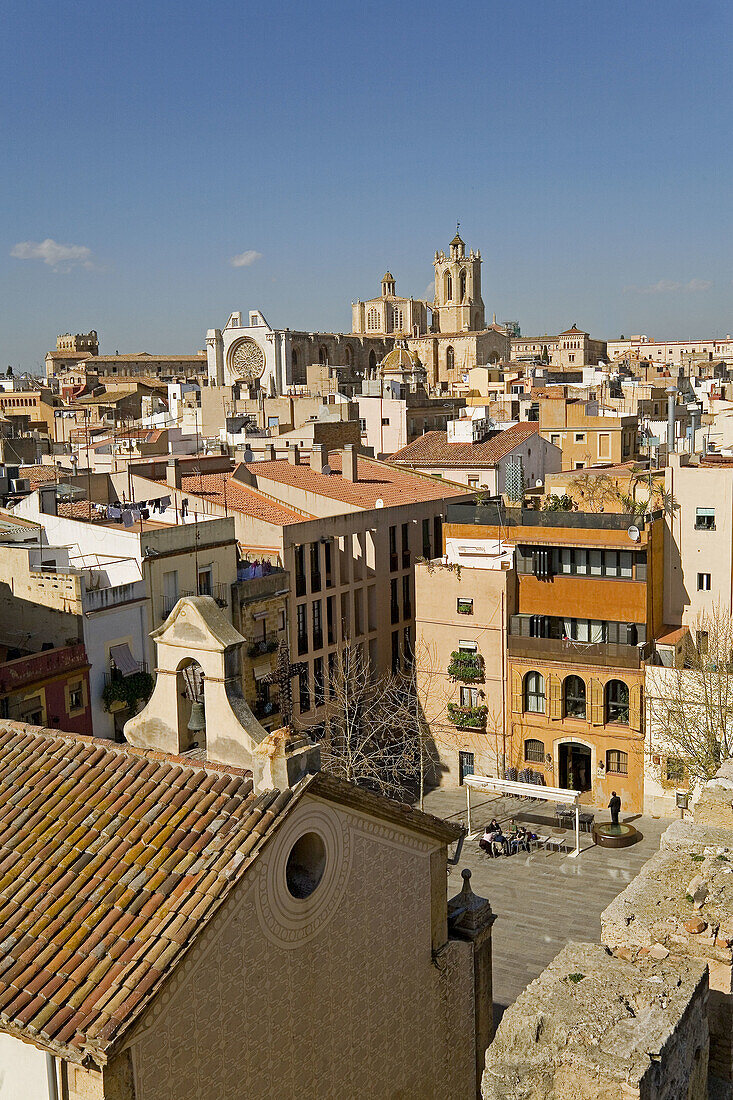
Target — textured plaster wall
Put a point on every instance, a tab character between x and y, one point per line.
342	1001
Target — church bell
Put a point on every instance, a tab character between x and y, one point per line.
197	721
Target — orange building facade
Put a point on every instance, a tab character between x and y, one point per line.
588	607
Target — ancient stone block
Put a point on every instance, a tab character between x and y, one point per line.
657	907
596	1027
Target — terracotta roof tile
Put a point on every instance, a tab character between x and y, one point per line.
433	448
225	490
98	896
375	481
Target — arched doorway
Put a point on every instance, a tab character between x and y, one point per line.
574	766
372	363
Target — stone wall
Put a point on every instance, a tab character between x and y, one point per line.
681	905
595	1027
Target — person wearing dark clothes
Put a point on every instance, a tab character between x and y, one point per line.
615	807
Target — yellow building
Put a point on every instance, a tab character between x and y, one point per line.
588	607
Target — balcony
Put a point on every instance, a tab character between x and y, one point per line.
262	646
466	667
265	708
24	671
492	513
609	654
405	559
467	718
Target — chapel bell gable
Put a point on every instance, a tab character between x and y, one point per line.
197	702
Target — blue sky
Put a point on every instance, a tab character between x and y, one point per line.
584	147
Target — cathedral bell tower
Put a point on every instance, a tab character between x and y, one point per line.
458	305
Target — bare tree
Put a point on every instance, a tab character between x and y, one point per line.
370	735
690	708
593	491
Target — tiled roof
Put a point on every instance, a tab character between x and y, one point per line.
240	498
39	475
574	331
111	861
376	481
433	448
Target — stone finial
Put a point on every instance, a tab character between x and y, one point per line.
467	911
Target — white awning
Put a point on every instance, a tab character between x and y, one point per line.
526	790
123	659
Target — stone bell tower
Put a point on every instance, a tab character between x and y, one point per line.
458	304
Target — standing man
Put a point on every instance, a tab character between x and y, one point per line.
615	807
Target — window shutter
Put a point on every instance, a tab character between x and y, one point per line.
596	702
555	697
635	708
516	691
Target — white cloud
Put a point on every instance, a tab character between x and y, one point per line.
61	257
667	286
246	259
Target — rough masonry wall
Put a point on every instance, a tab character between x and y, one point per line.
594	1027
681	904
348	1004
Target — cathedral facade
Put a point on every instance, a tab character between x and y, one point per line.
449	335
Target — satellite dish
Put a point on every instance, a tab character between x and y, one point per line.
634	533
326	470
248	454
379	503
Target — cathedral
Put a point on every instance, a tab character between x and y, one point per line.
448	335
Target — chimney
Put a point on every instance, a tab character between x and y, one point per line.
173	473
348	463
268	455
293	454
318	457
671	394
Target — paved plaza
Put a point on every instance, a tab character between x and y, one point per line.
543	900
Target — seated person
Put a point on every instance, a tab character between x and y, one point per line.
486	841
499	842
519	839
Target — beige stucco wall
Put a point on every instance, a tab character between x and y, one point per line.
22	1070
332	997
688	551
439	629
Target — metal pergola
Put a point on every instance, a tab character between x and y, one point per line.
524	790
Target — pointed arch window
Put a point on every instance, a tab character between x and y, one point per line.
462	286
448	287
450	357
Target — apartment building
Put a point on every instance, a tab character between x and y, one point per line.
463	603
699	538
499	461
586	433
119	582
571	349
588	606
672	353
347	529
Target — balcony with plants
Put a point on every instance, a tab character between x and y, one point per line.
127	692
467	718
466	667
